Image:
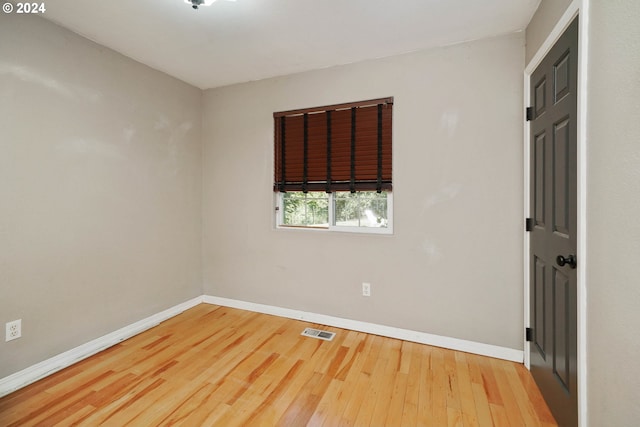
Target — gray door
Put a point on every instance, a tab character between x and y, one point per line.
553	238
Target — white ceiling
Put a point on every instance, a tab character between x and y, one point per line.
232	42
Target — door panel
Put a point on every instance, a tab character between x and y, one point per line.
561	180
562	339
562	77
553	202
538	180
540	338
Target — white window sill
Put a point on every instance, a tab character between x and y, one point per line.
338	229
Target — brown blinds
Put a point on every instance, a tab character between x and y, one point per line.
345	147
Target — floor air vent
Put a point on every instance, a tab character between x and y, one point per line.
317	333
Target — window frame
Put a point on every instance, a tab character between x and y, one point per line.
334	149
279	218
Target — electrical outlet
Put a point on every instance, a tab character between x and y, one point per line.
14	330
366	289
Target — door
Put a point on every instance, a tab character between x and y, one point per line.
553	280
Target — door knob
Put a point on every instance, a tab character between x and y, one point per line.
570	260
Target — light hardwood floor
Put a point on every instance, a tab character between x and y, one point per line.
217	366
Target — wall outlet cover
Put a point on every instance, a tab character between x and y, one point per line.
366	289
13	330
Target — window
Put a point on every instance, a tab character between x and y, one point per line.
361	209
333	167
305	209
364	211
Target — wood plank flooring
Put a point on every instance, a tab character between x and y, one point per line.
217	366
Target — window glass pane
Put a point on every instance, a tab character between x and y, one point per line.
306	210
361	209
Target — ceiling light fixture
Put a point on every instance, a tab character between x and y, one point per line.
195	3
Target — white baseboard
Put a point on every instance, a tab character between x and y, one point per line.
372	328
56	363
63	360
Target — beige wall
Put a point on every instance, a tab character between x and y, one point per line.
543	21
613	274
453	266
100	190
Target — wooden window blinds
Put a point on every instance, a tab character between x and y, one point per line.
344	147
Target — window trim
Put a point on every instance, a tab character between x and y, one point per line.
279	219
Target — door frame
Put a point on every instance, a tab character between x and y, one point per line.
576	8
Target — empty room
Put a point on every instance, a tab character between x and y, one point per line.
319	213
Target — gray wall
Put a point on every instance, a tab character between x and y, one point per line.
613	210
542	22
100	190
453	266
